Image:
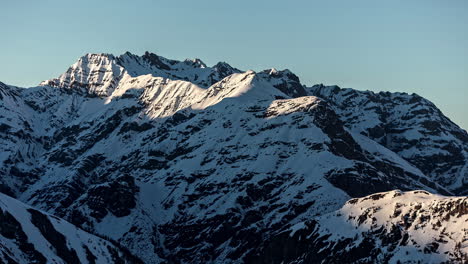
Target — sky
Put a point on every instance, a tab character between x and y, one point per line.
417	46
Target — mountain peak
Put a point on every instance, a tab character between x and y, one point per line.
93	73
96	58
285	81
155	60
196	63
88	71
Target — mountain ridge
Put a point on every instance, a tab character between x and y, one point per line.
405	129
179	171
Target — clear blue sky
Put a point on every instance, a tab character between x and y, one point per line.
416	46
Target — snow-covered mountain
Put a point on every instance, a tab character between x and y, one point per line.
184	163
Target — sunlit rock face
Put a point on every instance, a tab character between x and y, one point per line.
180	162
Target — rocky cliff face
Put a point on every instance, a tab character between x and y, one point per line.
409	125
181	162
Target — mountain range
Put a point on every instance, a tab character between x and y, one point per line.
143	159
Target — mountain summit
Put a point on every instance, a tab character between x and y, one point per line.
100	73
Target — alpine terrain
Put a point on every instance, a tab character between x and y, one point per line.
143	159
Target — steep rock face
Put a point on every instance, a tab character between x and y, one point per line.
19	144
95	74
149	152
285	81
31	236
391	227
409	125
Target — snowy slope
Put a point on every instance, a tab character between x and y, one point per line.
390	227
20	143
31	236
181	162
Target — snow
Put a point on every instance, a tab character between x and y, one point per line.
296	227
412	127
344	222
75	237
228	126
431	224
